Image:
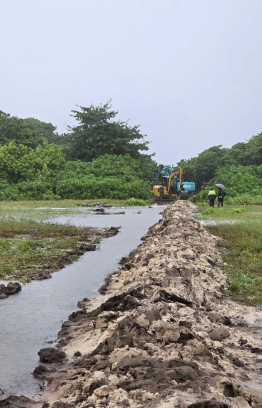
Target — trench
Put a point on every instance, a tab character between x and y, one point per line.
31	319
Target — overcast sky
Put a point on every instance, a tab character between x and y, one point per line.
188	71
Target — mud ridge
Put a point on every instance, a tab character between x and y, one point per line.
162	335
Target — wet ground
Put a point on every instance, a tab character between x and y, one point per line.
31	319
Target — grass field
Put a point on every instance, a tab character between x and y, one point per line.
241	230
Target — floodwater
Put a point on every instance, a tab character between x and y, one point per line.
31	319
212	223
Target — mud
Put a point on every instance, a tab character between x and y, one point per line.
162	335
10	289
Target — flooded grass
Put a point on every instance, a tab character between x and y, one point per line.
32	250
41	209
241	230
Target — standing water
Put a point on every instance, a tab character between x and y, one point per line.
31	319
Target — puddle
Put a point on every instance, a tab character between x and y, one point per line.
210	222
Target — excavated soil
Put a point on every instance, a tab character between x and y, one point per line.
162	335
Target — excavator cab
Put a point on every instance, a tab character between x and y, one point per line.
173	186
164	181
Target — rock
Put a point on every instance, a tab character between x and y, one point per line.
41	275
18	402
41	371
2	289
12	288
219	334
51	355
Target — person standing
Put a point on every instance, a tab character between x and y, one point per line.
211	197
221	195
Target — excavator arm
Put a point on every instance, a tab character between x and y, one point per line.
173	174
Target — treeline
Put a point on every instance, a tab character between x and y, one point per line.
239	168
100	157
103	157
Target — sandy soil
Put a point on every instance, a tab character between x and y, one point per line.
162	335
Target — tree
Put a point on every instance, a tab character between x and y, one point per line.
99	133
13	129
202	168
253	153
44	129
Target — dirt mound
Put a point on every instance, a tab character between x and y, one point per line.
162	335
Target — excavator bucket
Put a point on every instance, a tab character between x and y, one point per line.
184	195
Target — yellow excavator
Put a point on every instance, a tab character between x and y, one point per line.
172	186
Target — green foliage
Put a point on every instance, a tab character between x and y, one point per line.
25	245
13	129
134	202
19	162
238	168
95	188
114	166
235	285
4	244
243	184
238	210
240	179
108	176
201	169
45	130
208	211
98	133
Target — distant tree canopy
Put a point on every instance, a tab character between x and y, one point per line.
45	130
205	166
99	133
13	129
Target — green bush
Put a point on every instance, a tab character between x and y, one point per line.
238	210
134	202
210	210
86	187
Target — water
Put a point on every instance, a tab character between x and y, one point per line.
212	223
31	319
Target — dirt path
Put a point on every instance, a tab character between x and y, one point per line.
162	335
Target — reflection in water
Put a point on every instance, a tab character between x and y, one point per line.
31	319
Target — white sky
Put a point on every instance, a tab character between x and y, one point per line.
188	71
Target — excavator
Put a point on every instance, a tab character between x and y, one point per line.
172	185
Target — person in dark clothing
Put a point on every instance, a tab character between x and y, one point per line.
221	195
211	197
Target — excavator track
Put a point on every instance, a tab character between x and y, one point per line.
164	201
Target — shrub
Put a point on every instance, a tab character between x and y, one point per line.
210	210
238	210
134	202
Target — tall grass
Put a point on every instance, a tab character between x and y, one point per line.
242	244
